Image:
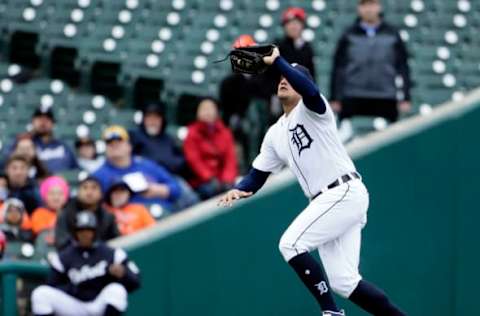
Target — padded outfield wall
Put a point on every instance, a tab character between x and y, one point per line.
420	244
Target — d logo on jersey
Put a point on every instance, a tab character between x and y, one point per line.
301	138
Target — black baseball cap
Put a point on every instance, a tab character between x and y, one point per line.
44	111
304	70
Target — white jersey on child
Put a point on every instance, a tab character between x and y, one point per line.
308	143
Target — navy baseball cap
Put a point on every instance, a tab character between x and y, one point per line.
44	111
304	70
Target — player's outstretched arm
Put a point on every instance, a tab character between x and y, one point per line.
249	185
299	81
234	194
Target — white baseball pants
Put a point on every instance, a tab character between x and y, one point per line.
332	223
48	300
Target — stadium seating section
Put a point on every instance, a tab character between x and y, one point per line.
136	51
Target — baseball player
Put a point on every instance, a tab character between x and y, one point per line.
87	277
305	139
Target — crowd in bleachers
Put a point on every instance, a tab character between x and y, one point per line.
143	175
135	174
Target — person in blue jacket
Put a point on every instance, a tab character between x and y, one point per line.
150	183
55	154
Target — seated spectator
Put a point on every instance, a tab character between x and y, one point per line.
150	183
14	221
19	185
24	146
54	192
87	277
3	188
151	141
89	198
54	153
130	217
210	151
88	159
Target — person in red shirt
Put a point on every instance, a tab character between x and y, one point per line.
210	152
54	192
130	217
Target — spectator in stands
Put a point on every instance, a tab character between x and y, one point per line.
292	46
368	58
54	153
238	89
54	192
294	49
210	151
89	198
87	156
19	184
151	141
150	183
130	217
24	146
3	188
14	221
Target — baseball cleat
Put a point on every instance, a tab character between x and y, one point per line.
329	313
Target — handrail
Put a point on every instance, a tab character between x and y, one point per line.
10	270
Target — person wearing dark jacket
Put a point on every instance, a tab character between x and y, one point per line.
89	197
370	55
294	49
20	186
87	277
151	141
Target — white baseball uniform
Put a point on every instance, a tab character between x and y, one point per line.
307	142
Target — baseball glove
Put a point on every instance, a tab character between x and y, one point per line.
249	59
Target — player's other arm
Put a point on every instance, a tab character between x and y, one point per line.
299	82
249	185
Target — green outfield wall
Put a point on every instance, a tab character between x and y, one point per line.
420	244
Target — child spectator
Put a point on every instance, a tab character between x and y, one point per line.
130	217
87	156
14	221
54	192
210	151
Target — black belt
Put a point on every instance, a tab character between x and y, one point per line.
343	179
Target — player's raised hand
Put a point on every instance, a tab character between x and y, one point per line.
228	198
270	59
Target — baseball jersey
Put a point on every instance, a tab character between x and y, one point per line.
307	142
83	273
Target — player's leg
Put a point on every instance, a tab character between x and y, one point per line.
341	258
324	219
47	300
111	301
